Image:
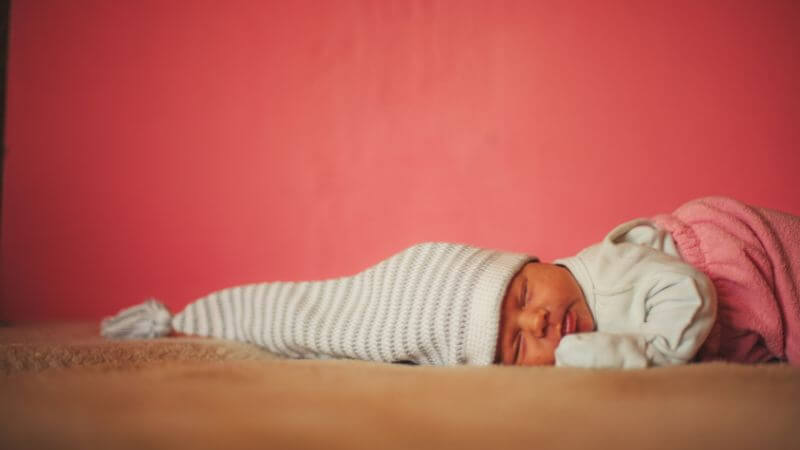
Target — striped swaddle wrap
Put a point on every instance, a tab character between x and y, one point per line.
433	303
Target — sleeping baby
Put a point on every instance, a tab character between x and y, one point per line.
717	279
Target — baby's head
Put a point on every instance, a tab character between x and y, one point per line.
543	303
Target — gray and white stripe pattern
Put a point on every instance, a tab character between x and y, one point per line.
147	320
433	303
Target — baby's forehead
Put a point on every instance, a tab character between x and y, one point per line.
533	268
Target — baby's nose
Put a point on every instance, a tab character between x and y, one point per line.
534	321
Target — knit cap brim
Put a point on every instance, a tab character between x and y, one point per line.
483	323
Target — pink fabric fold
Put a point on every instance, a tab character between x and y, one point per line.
752	255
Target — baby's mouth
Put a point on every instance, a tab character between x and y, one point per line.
569	324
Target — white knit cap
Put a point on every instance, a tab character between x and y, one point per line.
483	324
433	303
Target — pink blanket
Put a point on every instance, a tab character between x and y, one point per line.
753	257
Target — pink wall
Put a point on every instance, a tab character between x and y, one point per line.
172	148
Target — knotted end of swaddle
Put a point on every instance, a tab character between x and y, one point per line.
150	319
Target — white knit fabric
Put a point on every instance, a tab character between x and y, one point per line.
434	303
147	320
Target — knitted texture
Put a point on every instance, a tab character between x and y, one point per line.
433	303
147	320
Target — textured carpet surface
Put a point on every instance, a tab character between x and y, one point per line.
35	347
64	388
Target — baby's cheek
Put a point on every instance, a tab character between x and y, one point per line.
504	349
541	352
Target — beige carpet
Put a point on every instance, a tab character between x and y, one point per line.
65	388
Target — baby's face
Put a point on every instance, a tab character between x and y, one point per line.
542	304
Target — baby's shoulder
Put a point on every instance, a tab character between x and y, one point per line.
633	252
